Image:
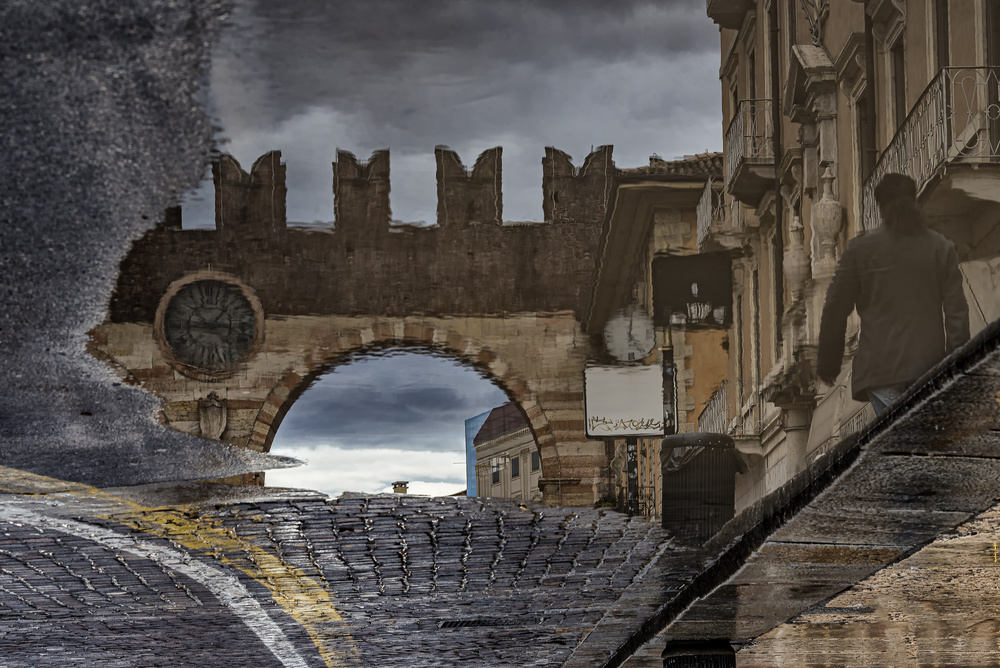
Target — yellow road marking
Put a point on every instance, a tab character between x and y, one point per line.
301	596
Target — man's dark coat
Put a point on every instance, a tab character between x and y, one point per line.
908	292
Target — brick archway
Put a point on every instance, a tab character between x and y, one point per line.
416	335
507	298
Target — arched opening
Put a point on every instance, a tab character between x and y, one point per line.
378	416
524	355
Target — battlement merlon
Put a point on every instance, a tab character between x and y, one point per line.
571	195
361	193
468	198
254	200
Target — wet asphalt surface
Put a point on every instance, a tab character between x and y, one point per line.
101	126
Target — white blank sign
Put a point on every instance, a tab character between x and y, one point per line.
623	401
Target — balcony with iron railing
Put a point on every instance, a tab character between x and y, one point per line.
955	122
718	220
749	151
712	419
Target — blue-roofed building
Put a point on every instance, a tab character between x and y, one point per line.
472	426
508	462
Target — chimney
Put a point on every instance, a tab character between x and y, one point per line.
399	487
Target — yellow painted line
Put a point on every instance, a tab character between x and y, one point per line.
22	482
226	587
301	596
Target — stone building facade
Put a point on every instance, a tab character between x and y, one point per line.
819	100
736	250
653	216
508	465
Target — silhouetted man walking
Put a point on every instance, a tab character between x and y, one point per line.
904	280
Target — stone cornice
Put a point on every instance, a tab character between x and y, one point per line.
850	66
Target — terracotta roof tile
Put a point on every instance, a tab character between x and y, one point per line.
700	165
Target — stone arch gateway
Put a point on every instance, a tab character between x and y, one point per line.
506	298
489	354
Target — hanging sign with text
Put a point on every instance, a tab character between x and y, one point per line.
623	401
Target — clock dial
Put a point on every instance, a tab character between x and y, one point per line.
630	335
209	326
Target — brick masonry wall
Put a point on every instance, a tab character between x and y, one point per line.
504	298
465	266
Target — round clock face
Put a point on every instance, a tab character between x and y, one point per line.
630	335
208	326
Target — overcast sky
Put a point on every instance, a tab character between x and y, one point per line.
399	416
307	77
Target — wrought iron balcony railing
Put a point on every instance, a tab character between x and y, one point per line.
715	214
750	136
713	417
955	121
750	421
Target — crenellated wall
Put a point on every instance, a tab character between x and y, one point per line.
361	194
505	298
469	198
576	195
465	266
250	204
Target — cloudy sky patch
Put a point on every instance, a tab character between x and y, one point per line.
404	400
307	77
334	470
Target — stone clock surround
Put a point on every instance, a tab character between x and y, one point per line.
177	359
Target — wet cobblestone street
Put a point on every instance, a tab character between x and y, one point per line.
98	580
212	209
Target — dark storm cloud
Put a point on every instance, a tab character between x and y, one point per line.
339	52
529	30
404	401
306	78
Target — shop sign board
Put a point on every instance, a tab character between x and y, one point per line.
623	401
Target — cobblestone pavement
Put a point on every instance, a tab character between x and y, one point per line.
90	578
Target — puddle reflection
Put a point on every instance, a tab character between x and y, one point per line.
308	78
378	419
278	267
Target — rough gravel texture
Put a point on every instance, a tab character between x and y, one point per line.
101	126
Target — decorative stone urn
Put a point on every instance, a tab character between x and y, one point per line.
827	221
796	260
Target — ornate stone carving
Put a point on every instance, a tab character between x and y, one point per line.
810	99
827	221
851	65
796	260
212	414
816	12
791	184
888	20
